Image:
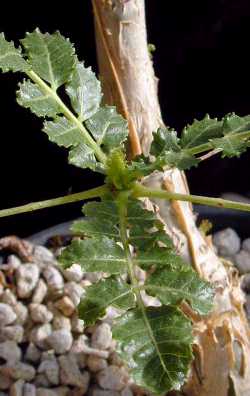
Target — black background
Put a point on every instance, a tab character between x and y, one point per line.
201	59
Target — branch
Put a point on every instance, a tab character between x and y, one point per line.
139	191
93	193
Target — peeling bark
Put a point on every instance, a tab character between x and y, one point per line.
222	347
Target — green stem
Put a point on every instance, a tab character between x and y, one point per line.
68	114
141	191
122	205
208	146
93	193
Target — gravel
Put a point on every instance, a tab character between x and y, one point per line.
44	349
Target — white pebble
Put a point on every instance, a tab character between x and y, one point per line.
54	279
70	373
43	255
227	241
5	382
39	335
29	390
74	291
111	378
8	297
77	324
61	322
14	333
10	352
50	368
65	305
33	354
21	370
60	340
74	273
85	348
246	245
27	276
45	392
242	261
39	292
21	312
96	363
101	337
40	314
7	315
16	389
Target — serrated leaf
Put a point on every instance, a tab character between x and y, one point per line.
164	140
172	285
63	132
51	56
165	147
84	91
30	96
108	127
181	160
231	144
95	255
83	156
11	58
200	132
156	345
101	219
109	292
159	257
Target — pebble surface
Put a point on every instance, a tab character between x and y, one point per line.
44	348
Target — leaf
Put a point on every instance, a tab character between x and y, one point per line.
231	144
159	257
84	91
63	132
83	156
156	345
172	285
165	147
200	132
51	56
108	127
94	255
165	139
109	292
11	58
102	220
30	96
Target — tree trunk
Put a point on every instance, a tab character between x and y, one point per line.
222	348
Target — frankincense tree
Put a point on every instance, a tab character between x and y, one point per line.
119	236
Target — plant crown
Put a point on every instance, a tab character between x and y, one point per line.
118	235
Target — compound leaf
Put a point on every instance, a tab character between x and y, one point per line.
51	56
30	96
84	91
172	285
11	58
95	255
156	345
108	292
